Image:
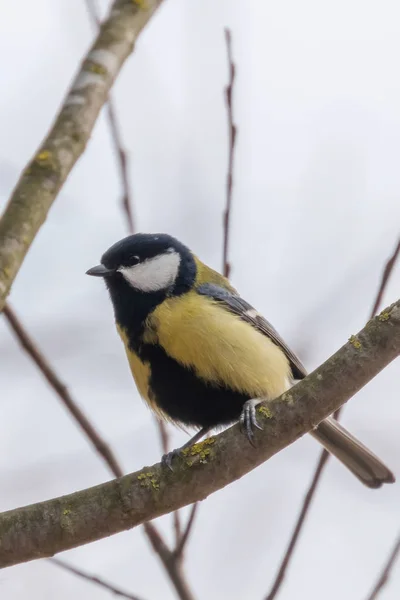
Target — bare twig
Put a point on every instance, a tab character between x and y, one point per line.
324	454
93	579
116	136
384	576
44	176
299	524
385	278
62	391
43	529
183	539
232	131
171	564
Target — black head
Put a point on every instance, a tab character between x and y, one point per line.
142	269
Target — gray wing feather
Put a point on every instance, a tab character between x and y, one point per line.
238	306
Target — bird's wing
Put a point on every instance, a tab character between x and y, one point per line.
235	304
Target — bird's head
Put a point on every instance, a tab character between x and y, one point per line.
147	263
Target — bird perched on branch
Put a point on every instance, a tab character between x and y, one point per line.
202	356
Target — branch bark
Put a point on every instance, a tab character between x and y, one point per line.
44	176
43	529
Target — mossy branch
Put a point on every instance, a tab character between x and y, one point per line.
44	176
43	529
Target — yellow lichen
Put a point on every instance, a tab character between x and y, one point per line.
149	479
265	411
201	450
45	159
66	511
355	342
141	4
384	316
96	68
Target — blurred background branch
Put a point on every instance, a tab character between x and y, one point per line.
93	579
232	132
384	576
99	444
307	502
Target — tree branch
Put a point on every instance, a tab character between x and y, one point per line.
228	94
93	579
324	456
43	529
42	179
170	562
116	137
61	390
384	576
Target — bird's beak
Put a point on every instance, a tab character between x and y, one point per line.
100	271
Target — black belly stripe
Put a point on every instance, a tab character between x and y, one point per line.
185	397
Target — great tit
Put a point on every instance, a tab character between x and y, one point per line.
200	355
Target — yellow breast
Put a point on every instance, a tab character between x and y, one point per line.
219	346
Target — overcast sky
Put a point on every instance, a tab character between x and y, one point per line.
316	213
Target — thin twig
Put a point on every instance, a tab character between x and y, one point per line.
182	541
296	532
324	454
61	390
385	278
116	136
93	579
171	565
232	131
384	576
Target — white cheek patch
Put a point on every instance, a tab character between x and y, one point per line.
153	274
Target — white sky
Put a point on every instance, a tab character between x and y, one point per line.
316	213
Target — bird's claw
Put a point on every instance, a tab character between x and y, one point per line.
167	459
248	420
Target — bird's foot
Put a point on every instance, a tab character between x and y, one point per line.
167	459
248	420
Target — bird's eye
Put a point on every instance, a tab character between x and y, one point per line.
134	259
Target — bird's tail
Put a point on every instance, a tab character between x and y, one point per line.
369	469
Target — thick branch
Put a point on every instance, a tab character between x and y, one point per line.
42	179
42	529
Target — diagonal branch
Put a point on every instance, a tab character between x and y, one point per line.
61	390
116	137
170	562
324	454
93	579
384	576
182	540
228	93
43	529
44	176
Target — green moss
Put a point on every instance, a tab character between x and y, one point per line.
384	316
355	342
148	480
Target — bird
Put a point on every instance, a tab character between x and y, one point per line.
200	355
